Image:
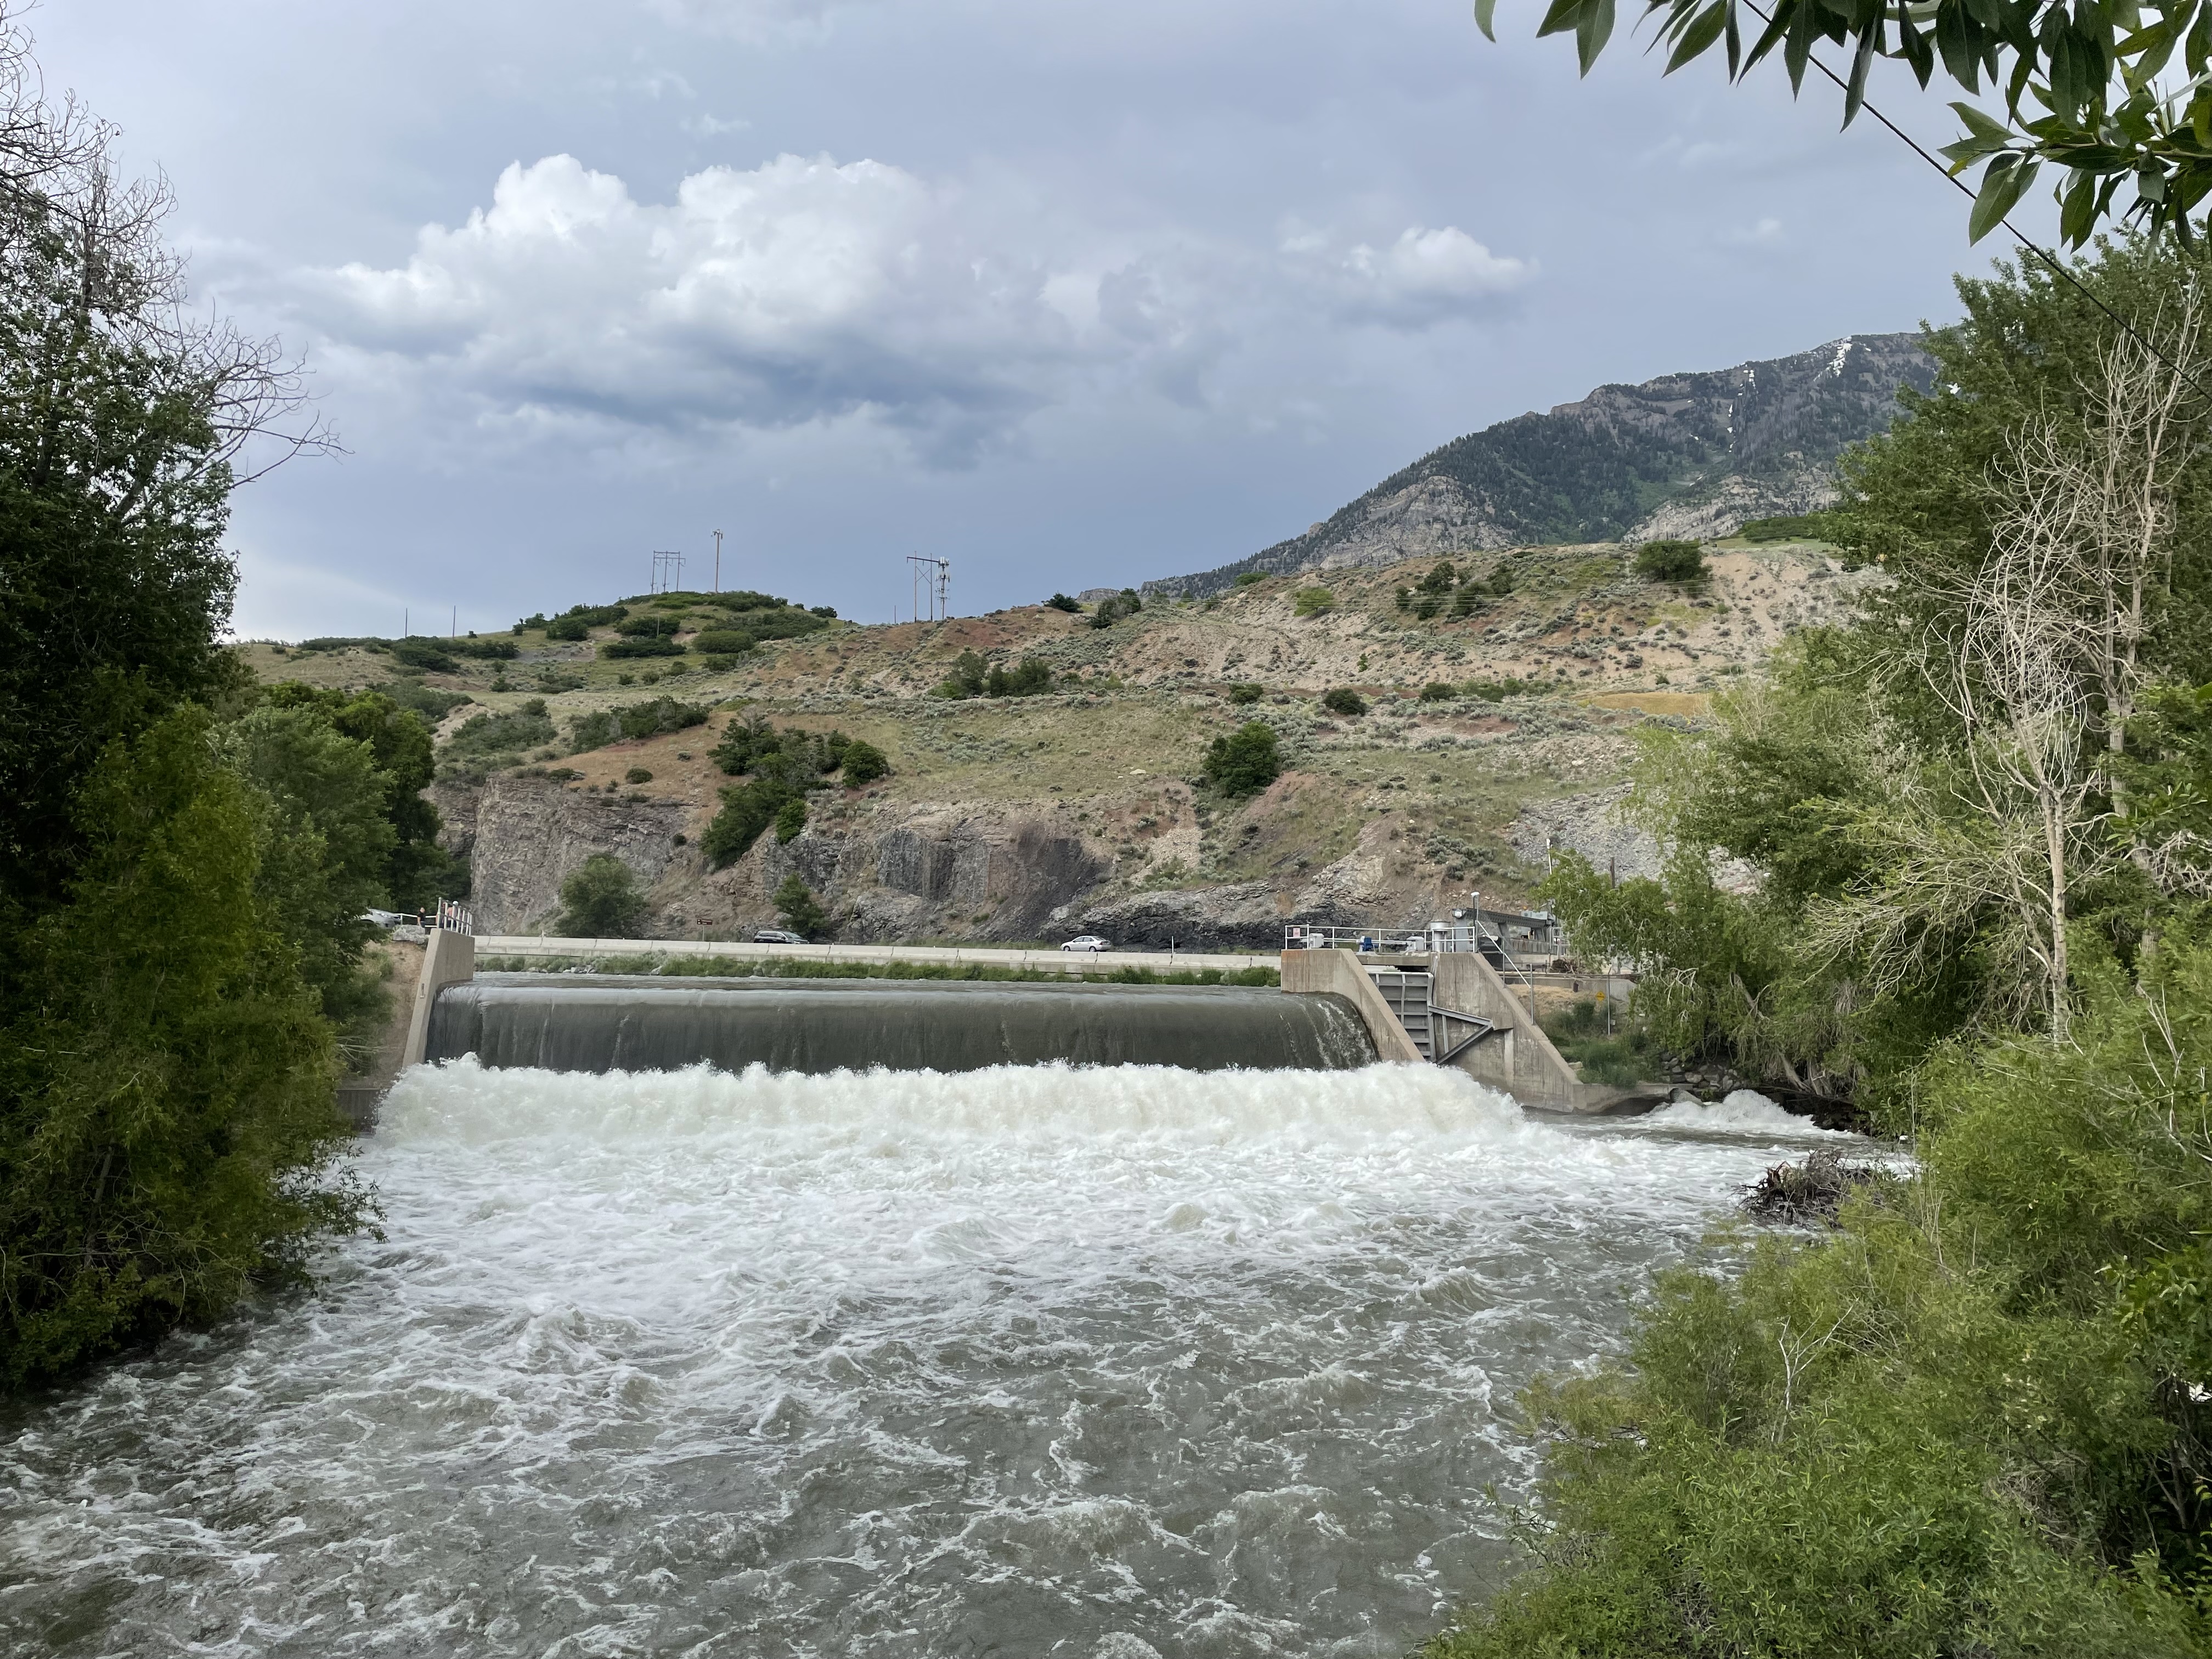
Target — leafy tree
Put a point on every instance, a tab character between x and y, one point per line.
1061	602
863	763
2085	86
969	675
417	870
328	851
747	809
723	642
801	911
1439	691
1671	562
1343	700
2005	1346
1244	761
1244	694
1028	678
599	900
1312	602
167	1119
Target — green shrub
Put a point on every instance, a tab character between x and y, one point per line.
425	657
487	741
1499	690
1061	602
863	763
790	819
1029	677
637	774
1313	602
1795	527
166	1115
1441	579
1245	762
567	627
801	911
600	900
649	626
1249	578
1467	600
1438	692
652	646
1967	1421
1116	606
1343	700
747	811
1680	561
1244	694
488	650
969	675
723	642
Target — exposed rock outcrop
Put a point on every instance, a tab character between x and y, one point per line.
1712	449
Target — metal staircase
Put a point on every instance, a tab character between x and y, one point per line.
1440	1035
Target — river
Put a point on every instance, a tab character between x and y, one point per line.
1103	1362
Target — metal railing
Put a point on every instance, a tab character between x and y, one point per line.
453	917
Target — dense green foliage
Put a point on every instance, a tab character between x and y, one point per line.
1671	562
863	763
2097	89
1312	602
179	859
651	717
1793	527
1900	846
165	1073
1972	1422
1977	1420
619	650
599	900
394	724
972	677
723	642
1244	694
1062	602
1343	700
1245	761
801	911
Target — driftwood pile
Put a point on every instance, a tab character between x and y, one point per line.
1807	1193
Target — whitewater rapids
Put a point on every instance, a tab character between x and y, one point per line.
1105	1363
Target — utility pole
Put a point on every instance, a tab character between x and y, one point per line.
667	571
454	628
933	586
717	561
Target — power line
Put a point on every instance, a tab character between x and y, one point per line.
1961	184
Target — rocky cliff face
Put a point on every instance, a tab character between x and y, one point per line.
1683	455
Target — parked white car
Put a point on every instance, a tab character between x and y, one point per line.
1086	942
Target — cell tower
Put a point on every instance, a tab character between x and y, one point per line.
667	573
933	586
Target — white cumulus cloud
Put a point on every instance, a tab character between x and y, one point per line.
804	290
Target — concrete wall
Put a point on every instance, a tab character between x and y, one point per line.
449	959
1051	960
1305	972
1517	1057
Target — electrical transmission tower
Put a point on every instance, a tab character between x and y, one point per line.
933	586
667	573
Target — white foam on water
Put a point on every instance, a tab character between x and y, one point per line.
1744	1110
1037	1361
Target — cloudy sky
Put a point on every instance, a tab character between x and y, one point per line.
1072	293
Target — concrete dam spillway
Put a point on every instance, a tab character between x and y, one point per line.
618	1022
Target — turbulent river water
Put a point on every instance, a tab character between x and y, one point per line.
1102	1362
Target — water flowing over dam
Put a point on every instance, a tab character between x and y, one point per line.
638	1023
1101	1362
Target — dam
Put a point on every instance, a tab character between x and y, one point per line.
636	1022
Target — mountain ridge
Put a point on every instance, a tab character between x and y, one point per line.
1692	454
